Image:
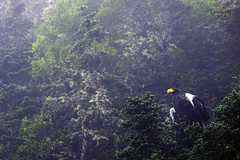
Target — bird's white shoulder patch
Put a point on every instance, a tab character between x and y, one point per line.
190	97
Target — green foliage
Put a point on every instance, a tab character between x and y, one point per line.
144	129
15	104
43	58
56	36
16	97
109	15
210	142
89	55
181	141
193	60
35	143
105	52
228	113
15	43
202	8
221	140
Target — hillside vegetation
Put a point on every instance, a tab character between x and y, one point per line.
87	79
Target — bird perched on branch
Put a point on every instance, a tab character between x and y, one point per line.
188	106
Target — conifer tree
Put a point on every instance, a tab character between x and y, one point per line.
220	140
144	129
229	115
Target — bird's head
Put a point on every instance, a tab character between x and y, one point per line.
173	90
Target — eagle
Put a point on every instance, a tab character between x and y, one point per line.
188	106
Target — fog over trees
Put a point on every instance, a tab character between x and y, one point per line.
88	79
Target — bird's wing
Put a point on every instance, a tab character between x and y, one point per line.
198	106
194	107
203	110
190	98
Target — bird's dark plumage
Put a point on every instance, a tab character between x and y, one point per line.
188	106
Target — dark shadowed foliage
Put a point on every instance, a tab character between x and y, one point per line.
67	68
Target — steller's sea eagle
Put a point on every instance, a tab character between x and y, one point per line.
188	106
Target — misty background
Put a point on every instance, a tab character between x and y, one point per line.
67	68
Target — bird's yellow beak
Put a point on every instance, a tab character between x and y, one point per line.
170	90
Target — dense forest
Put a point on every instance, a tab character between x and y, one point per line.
88	79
